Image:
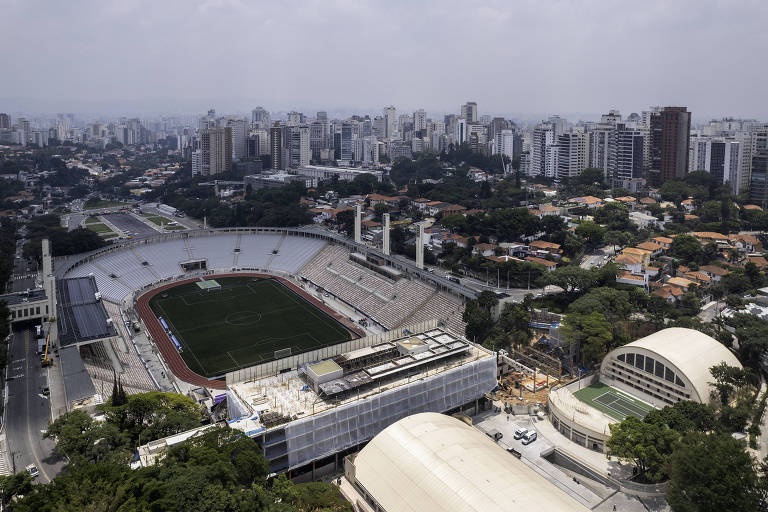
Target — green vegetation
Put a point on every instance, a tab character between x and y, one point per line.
94	204
92	220
219	470
158	220
63	242
99	227
243	323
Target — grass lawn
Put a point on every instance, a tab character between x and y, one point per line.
242	323
99	227
175	228
612	402
92	205
92	220
157	219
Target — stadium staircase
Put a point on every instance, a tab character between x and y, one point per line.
189	249
108	272
413	317
149	267
237	250
275	251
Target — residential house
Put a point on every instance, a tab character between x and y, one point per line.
680	282
669	293
656	249
714	272
642	253
588	201
484	249
629	278
663	241
759	261
550	265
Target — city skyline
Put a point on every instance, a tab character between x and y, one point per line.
520	59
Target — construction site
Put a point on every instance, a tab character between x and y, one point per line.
526	376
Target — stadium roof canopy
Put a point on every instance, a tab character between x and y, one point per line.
692	353
77	382
81	317
430	461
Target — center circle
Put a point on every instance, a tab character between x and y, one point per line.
240	318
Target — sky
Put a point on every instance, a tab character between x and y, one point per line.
516	58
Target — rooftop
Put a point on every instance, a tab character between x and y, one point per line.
367	371
81	315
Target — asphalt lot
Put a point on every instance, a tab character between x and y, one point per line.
28	412
128	222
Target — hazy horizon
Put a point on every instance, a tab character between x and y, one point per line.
518	59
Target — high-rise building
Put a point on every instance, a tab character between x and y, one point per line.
260	119
276	146
496	125
239	137
758	186
602	150
543	138
25	130
460	131
469	111
419	120
216	151
390	121
504	143
670	131
5	121
298	146
628	172
573	154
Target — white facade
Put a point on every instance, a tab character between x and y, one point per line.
504	143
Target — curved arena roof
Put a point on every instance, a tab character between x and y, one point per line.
430	461
691	351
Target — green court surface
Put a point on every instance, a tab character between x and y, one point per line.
612	402
242	323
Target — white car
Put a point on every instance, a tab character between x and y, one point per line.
529	437
520	433
32	470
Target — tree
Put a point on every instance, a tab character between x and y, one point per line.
570	278
514	320
712	473
614	304
592	332
687	248
478	316
647	445
593	233
684	416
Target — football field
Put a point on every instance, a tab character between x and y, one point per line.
242	323
612	402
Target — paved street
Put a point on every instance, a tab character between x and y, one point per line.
28	412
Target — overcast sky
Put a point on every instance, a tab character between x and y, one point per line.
515	58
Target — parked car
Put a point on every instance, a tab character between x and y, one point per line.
520	433
32	470
529	438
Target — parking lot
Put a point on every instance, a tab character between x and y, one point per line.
127	222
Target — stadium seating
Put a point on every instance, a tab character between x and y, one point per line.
391	303
163	259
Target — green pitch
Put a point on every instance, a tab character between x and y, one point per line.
242	323
612	402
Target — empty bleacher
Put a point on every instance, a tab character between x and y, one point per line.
390	303
120	272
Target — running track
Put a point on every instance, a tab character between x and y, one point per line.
171	355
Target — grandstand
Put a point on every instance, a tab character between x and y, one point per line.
396	299
391	303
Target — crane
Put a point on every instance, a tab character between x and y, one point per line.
46	360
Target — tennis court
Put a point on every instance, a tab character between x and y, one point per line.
613	402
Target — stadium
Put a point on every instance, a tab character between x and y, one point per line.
650	373
304	290
288	332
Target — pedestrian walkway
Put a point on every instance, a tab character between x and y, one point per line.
6	467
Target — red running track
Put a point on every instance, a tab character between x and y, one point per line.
171	355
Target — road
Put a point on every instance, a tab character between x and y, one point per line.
27	411
129	222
